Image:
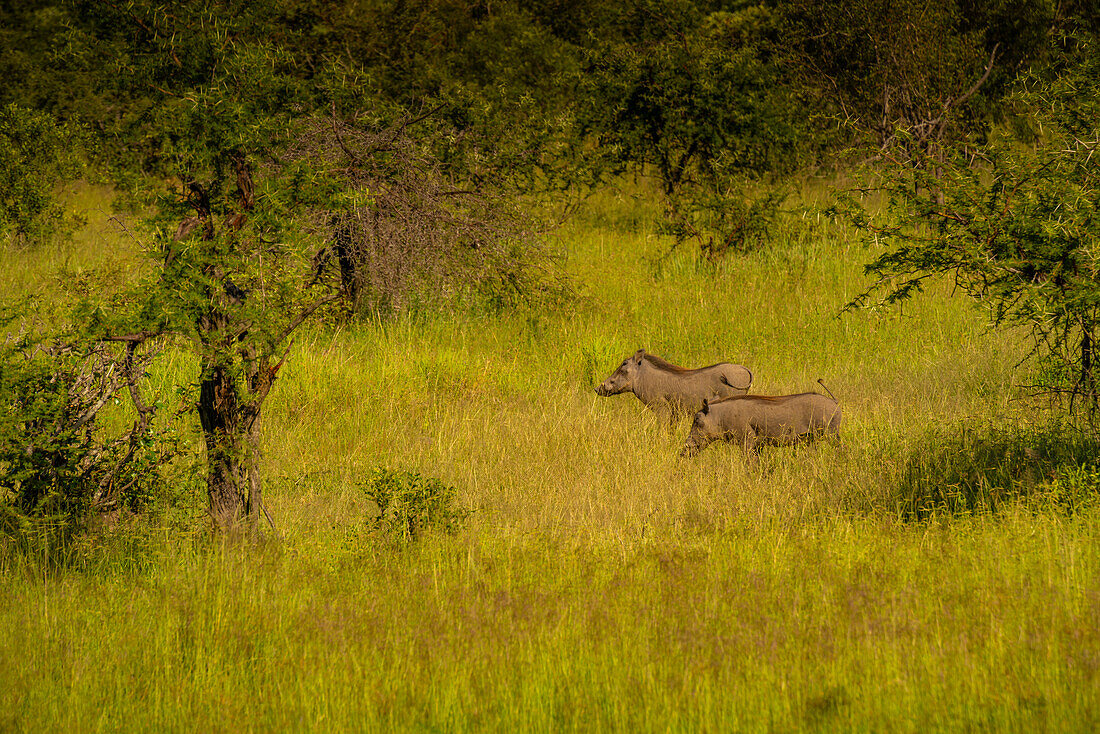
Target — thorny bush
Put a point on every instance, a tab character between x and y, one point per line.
410	504
61	461
405	236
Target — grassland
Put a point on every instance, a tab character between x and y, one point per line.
601	582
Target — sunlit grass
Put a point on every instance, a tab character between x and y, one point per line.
601	582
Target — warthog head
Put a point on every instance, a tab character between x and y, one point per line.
622	379
704	429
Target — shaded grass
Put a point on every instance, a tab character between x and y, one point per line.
601	582
966	468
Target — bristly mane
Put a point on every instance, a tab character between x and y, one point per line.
663	364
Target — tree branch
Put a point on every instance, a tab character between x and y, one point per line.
305	315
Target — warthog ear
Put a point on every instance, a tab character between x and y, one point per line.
706	406
638	355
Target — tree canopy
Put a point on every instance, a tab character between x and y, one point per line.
1013	223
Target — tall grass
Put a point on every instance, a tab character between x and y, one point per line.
600	581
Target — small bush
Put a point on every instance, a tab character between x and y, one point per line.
410	504
59	463
738	225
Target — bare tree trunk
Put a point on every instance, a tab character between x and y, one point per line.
349	269
231	450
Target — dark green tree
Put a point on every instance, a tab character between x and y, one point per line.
1014	224
696	98
36	155
692	95
259	202
940	71
875	66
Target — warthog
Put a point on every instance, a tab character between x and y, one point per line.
750	420
670	391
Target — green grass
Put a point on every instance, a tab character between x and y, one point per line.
601	582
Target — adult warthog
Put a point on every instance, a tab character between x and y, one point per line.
751	420
673	392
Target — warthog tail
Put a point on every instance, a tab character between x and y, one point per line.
819	382
725	380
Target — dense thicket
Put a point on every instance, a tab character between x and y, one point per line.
695	88
709	95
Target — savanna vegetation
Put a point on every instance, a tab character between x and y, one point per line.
303	305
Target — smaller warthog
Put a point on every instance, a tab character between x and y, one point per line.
670	391
751	420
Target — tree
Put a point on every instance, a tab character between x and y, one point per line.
1014	223
269	186
406	236
940	71
697	98
232	259
238	314
879	65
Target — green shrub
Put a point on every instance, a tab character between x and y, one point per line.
737	224
59	463
36	154
410	504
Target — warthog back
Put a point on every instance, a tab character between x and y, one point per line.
749	420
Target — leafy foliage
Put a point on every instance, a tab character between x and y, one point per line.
1014	224
58	462
682	85
36	155
410	504
871	67
695	96
736	224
